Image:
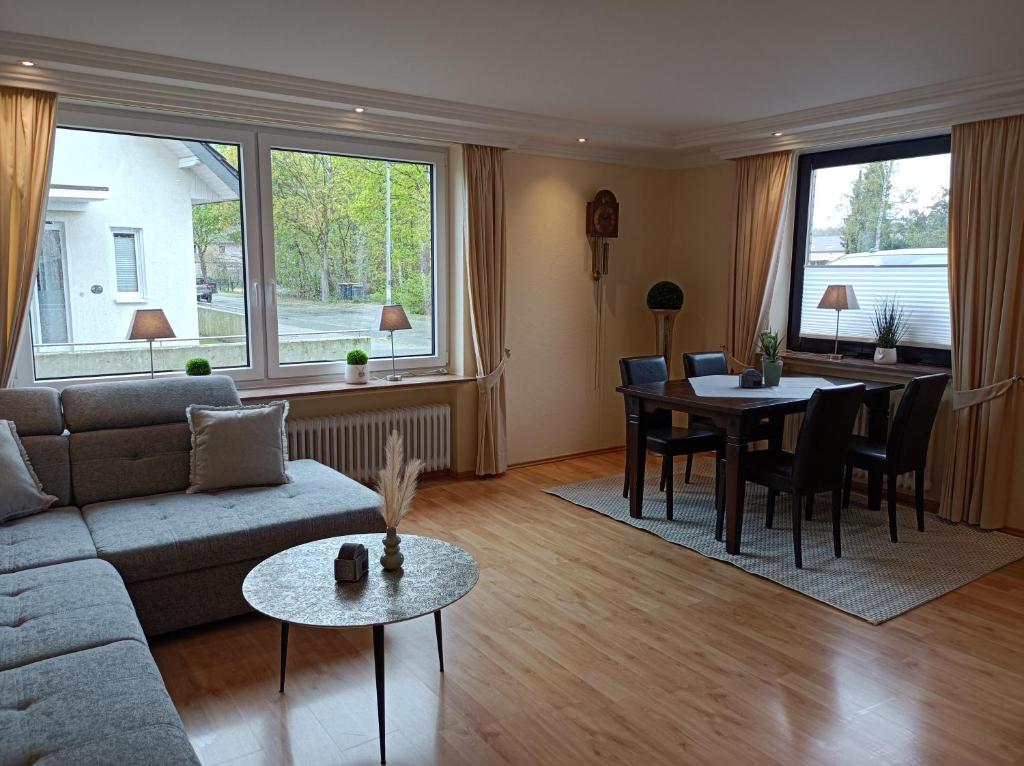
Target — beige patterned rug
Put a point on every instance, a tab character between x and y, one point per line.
875	579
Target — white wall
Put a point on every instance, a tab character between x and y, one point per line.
148	191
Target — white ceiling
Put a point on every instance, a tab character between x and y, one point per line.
666	66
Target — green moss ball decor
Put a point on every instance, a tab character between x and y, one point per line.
197	367
356	357
666	296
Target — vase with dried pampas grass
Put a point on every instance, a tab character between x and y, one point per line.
396	485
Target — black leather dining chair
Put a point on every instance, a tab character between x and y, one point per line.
662	437
816	465
698	364
906	448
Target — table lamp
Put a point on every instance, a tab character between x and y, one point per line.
151	325
839	298
393	318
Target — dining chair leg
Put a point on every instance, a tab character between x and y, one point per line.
798	553
769	517
689	467
847	485
810	506
837	507
625	477
666	463
919	497
669	479
891	487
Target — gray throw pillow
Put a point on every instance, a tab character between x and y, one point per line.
238	446
21	493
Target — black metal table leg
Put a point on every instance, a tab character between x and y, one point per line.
284	652
378	665
437	630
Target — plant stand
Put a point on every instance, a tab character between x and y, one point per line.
664	324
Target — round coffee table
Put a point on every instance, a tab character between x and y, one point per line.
298	586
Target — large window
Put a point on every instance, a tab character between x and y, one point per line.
270	254
875	218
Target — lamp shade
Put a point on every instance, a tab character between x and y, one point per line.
839	298
150	324
393	318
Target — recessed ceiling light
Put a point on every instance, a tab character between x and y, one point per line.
581	140
360	109
777	133
26	62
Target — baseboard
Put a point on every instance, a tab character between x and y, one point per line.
571	456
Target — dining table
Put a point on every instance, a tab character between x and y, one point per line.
736	416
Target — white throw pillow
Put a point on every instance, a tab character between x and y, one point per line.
21	493
241	446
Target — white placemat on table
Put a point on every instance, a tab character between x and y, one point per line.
729	386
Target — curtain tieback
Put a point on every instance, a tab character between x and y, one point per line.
486	382
973	397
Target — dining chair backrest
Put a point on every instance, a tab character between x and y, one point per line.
705	363
912	425
825	436
646	369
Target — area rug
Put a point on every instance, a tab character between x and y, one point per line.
875	579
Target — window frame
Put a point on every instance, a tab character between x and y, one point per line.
807	164
378	150
131	296
256	206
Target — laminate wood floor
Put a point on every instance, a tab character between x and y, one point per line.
587	641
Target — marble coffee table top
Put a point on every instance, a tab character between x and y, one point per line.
298	585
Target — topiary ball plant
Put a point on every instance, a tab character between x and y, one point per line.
357	357
667	296
197	367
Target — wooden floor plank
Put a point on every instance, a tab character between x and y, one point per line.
588	641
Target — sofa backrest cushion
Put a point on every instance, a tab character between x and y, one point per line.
132	439
36	414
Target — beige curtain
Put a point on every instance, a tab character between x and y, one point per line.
26	142
485	267
986	295
761	185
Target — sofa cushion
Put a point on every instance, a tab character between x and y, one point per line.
35	411
129	462
160	535
64	608
50	461
99	406
50	537
106	705
243	446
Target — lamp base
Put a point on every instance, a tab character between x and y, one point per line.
393	378
834	357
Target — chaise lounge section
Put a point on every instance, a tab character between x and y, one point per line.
122	555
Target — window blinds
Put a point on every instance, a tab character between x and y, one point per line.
126	262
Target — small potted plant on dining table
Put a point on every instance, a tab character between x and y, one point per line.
890	323
771	361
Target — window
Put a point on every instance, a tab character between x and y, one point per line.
270	254
875	218
128	263
94	272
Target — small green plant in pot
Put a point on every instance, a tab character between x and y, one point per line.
355	369
771	362
891	325
198	367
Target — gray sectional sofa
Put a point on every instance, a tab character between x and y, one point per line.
126	553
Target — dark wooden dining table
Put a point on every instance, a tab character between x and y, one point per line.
737	417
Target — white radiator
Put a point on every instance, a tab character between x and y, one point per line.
354	443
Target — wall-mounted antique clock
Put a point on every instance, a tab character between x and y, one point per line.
602	225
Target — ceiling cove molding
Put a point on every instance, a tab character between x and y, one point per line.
93	74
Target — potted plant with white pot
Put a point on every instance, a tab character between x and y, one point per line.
890	323
355	368
771	360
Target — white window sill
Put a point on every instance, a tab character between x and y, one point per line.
129	299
